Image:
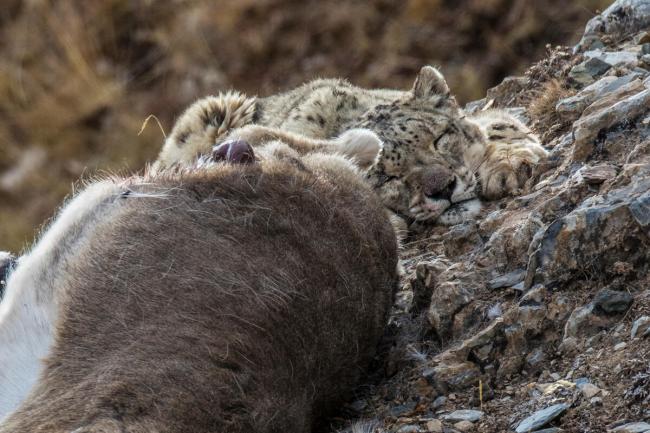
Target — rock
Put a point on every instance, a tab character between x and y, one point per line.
592	240
449	298
596	401
409	428
463	415
541	418
435	426
586	72
535	360
569	344
453	376
588	390
508	280
572	107
623	105
620	346
645	59
464	426
645	48
504	93
633	427
621	17
612	301
641	327
595	316
403	409
438	402
474	106
597	174
613	58
583	323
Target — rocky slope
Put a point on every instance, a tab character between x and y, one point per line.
537	316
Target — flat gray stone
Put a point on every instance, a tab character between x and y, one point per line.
463	415
541	418
576	104
624	105
507	280
633	427
613	58
641	327
586	72
612	301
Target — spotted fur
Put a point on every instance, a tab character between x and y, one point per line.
432	157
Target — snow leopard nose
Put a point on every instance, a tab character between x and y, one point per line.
438	182
234	151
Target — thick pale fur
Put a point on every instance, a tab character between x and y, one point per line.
199	127
239	298
432	154
511	152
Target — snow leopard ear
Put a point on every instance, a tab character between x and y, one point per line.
430	82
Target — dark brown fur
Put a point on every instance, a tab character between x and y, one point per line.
249	300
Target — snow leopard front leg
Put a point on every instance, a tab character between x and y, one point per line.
29	308
361	145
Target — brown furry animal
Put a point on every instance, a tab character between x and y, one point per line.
225	298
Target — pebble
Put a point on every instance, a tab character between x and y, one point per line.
541	418
641	327
645	59
439	402
464	425
463	415
613	301
645	48
435	426
409	428
588	390
633	427
620	346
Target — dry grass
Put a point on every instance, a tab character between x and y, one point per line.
542	108
77	79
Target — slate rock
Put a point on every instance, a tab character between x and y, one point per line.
624	105
463	415
508	280
621	17
633	427
613	58
586	72
592	240
641	327
541	418
573	106
612	301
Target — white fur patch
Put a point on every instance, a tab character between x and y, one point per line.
460	212
29	309
361	144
